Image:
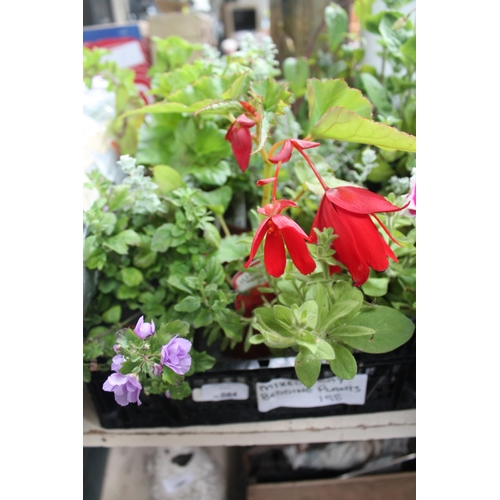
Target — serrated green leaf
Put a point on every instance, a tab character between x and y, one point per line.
344	125
202	361
344	365
213	175
118	197
238	88
180	392
334	93
307	369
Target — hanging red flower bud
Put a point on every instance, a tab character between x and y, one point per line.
240	138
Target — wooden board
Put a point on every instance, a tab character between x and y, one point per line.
397	486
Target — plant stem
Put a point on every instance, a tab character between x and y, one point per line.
223	225
313	168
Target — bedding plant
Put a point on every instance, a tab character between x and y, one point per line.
243	221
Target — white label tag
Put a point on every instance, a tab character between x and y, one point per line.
221	392
174	483
282	392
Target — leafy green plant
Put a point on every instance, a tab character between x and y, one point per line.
218	149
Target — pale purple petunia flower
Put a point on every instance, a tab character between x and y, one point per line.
116	348
175	355
144	330
125	387
412	196
117	362
156	370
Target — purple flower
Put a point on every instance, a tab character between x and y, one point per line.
175	355
156	370
412	196
116	348
167	395
117	362
144	330
125	387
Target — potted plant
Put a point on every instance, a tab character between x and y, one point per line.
231	229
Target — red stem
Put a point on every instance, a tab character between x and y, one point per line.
313	168
275	183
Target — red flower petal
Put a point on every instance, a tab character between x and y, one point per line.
283	222
257	240
285	153
274	253
369	242
300	144
261	182
244	121
241	144
298	250
345	247
360	200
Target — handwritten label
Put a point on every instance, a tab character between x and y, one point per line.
282	392
221	392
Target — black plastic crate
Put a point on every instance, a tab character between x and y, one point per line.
390	386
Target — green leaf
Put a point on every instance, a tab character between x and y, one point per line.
203	318
273	95
392	329
307	369
145	258
262	134
377	94
344	125
124	292
167	178
342	331
188	304
221	108
202	361
174	327
131	276
322	301
337	22
324	350
211	234
332	93
180	392
409	49
296	72
238	88
344	365
129	237
89	246
214	175
162	238
363	9
338	312
256	339
118	197
112	315
217	200
117	244
234	247
376	287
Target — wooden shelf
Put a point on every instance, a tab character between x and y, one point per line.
385	425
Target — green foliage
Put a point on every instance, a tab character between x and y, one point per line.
167	240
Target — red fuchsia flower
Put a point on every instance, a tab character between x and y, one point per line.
286	151
280	230
359	245
240	138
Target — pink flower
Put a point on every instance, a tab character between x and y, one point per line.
359	245
280	230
